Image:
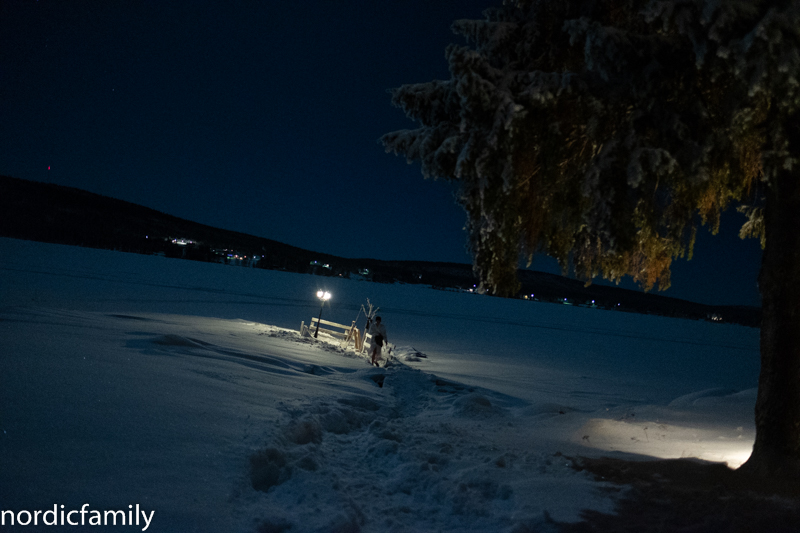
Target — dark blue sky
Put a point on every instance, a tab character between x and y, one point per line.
260	117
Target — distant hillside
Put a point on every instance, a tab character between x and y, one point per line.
53	213
64	215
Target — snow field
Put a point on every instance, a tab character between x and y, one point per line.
186	388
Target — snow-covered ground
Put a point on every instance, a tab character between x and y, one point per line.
180	386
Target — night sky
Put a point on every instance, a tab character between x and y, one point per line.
263	118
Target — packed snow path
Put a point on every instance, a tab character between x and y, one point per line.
415	453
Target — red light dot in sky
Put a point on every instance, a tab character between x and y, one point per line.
48	167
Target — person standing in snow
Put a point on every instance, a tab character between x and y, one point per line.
378	332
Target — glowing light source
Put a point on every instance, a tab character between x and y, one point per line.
323	296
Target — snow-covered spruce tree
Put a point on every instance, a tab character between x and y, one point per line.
604	132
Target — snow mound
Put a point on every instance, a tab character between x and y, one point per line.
178	341
476	406
408	354
714	396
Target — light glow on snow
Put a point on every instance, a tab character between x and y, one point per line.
668	441
711	425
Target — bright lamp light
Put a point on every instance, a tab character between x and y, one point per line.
323	296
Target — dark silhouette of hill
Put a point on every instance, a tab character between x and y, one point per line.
52	213
64	215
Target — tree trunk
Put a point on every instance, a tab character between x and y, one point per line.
777	447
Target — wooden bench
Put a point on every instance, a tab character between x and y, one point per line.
346	333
